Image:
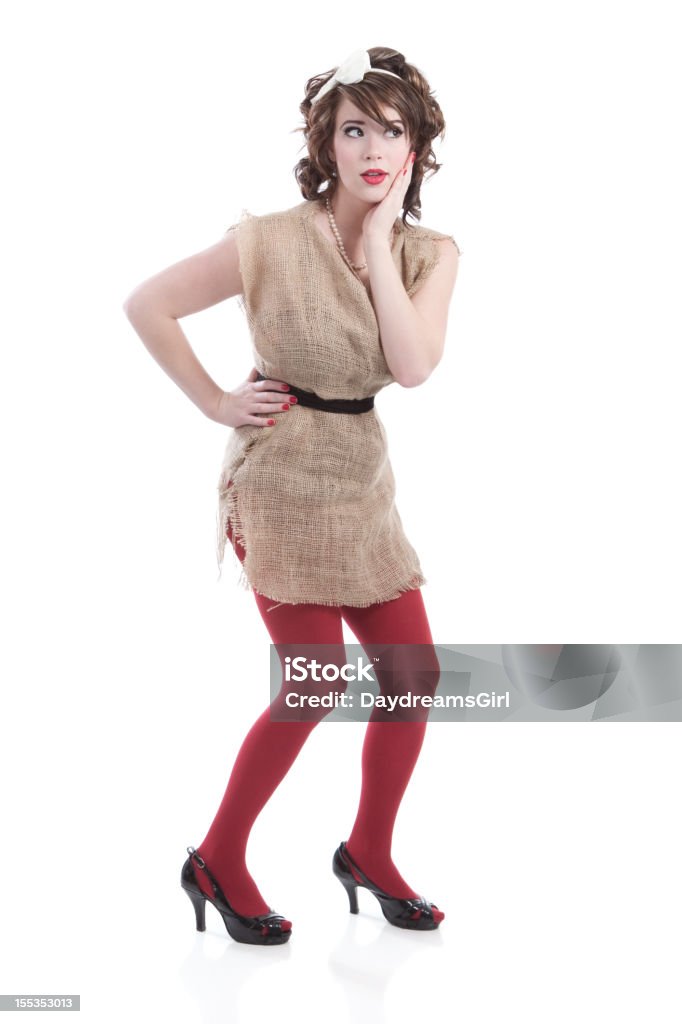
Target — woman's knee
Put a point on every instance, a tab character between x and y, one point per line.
313	680
413	669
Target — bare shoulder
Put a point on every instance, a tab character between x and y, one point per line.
443	239
449	242
448	250
440	262
447	264
195	283
433	290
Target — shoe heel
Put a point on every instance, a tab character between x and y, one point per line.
347	881
199	904
352	891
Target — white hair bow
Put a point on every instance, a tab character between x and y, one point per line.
353	69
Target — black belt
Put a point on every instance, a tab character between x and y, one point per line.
351	405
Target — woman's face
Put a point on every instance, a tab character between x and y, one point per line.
361	144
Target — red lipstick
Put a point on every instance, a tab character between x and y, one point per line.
374	177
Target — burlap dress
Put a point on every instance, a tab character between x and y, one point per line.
312	498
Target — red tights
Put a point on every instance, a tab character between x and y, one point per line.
389	752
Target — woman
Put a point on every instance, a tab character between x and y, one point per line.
342	298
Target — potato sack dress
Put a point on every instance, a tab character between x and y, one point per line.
312	499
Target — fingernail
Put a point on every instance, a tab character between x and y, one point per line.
293	399
271	423
414	157
285	406
285	387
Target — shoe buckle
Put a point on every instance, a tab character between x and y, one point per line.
199	859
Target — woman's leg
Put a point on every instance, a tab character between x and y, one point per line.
265	756
391	748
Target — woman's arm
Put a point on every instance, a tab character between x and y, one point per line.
155	306
412	330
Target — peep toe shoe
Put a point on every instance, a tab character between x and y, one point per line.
269	929
416	913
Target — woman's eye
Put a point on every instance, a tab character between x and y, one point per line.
354	128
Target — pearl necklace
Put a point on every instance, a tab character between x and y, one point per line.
337	236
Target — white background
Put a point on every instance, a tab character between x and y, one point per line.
536	478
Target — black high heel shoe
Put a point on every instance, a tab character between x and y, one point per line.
262	930
416	913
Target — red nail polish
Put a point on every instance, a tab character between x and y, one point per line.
285	387
285	406
293	399
271	423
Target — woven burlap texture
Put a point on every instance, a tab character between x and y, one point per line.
312	499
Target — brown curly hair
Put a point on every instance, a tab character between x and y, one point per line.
414	100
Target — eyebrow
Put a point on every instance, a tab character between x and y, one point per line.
396	121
